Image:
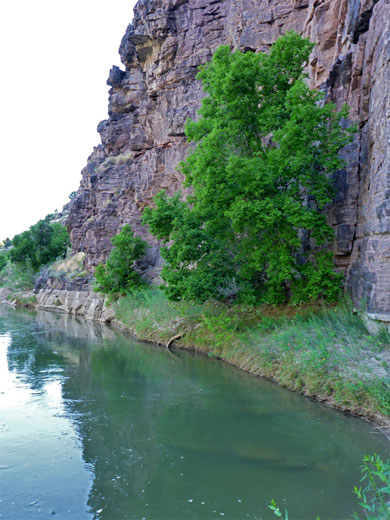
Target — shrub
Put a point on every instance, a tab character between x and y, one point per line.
118	274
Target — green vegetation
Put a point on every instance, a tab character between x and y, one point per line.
152	317
17	277
3	261
254	229
118	274
374	497
323	352
276	510
23	299
21	258
70	267
114	160
43	243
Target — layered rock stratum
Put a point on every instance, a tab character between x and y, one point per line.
142	141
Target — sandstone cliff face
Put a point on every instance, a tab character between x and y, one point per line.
143	140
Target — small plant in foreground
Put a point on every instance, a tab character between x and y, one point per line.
118	274
374	497
273	506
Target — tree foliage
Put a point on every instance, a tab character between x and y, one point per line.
118	274
43	243
3	261
266	146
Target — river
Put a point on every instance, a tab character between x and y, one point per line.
94	425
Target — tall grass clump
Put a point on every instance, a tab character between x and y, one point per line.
17	277
327	353
150	315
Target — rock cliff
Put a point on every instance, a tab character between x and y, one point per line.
143	140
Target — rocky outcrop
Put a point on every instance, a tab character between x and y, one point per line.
143	139
72	297
79	303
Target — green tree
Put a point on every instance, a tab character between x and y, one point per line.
3	261
23	248
43	243
118	274
266	146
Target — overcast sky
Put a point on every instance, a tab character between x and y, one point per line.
55	60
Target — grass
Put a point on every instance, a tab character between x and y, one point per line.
17	277
114	160
328	354
323	352
70	264
71	267
23	299
151	317
20	280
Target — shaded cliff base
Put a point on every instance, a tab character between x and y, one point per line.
326	354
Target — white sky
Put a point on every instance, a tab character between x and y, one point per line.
55	57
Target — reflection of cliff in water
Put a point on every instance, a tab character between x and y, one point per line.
48	342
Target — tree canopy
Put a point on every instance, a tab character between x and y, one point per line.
254	228
3	261
43	243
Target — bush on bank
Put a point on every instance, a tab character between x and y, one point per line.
118	275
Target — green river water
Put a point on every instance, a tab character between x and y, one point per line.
94	425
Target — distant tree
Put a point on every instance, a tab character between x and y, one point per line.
23	248
59	242
118	274
7	242
3	261
72	195
43	243
266	146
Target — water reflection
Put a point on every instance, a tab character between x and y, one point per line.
148	435
39	449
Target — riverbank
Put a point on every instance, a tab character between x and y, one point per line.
324	353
